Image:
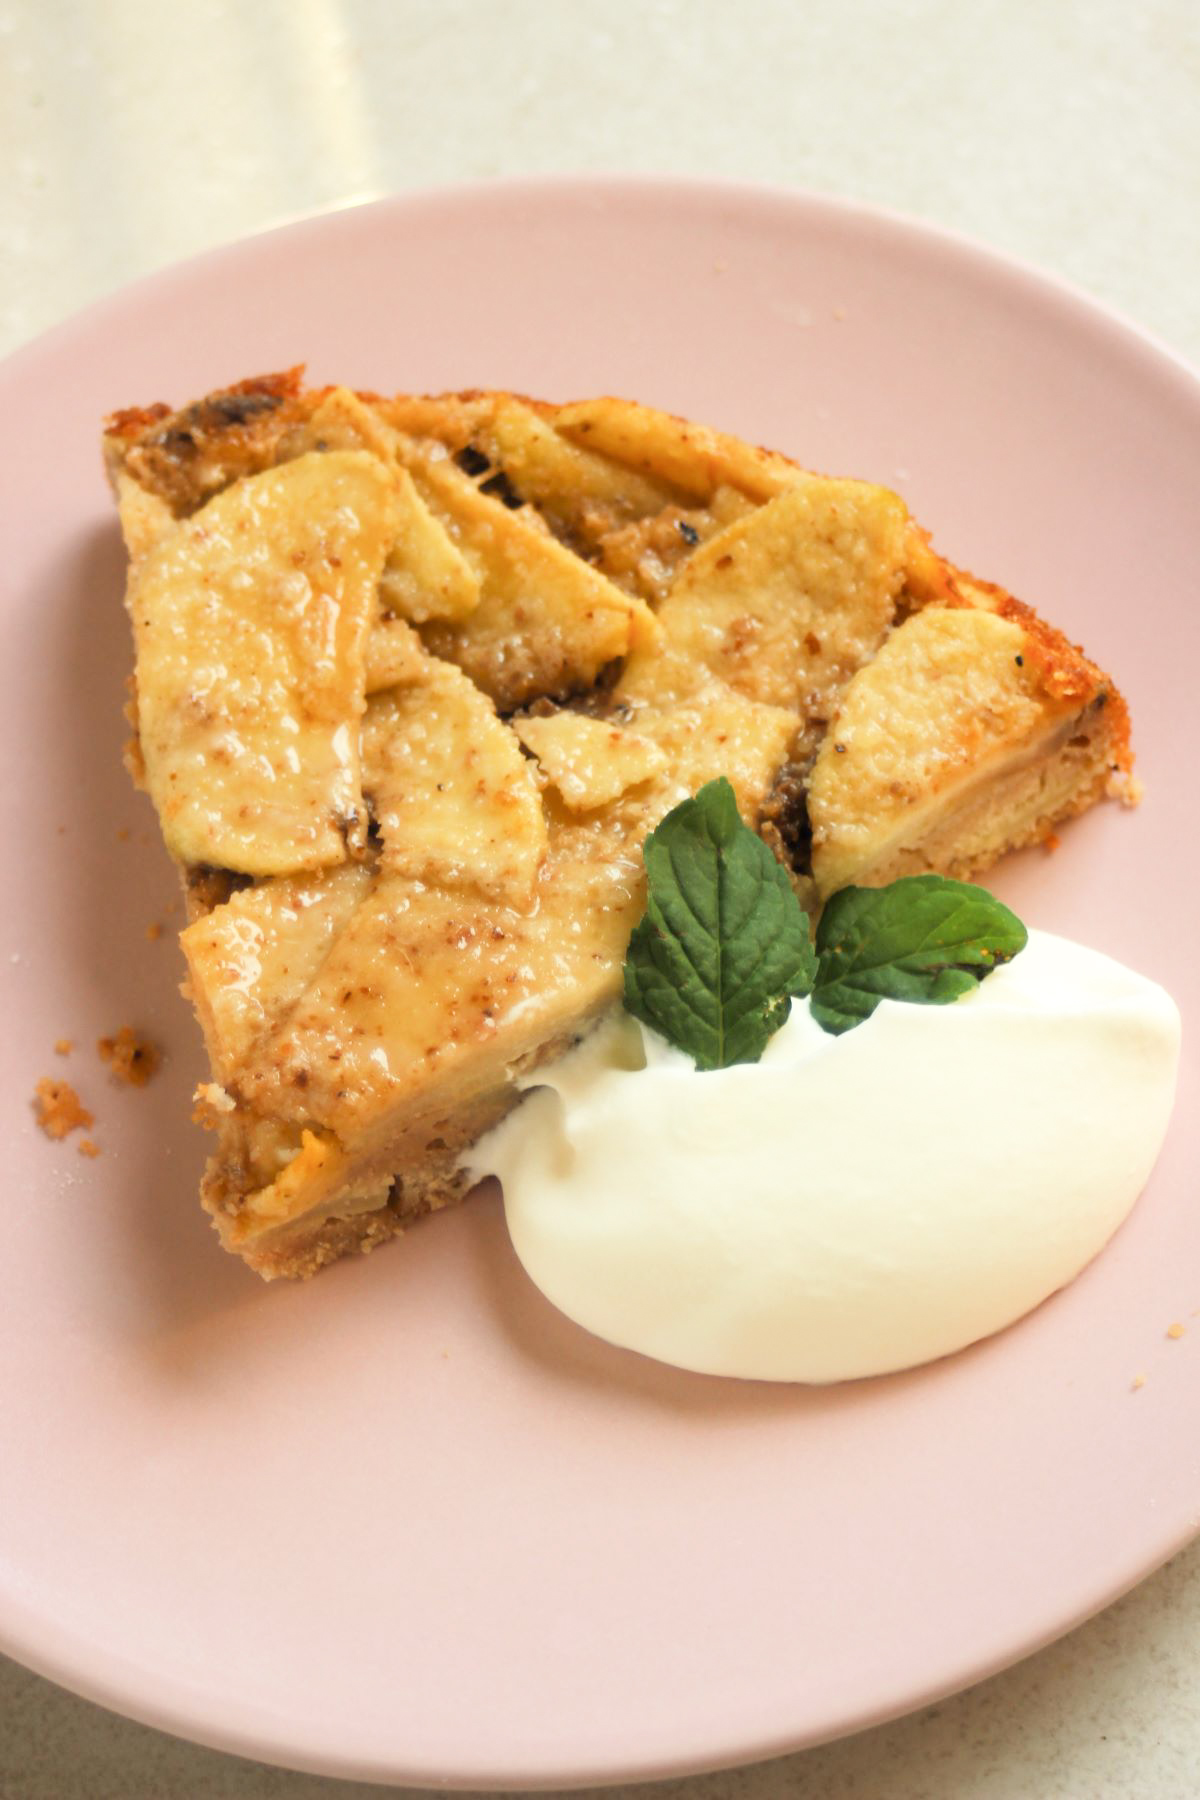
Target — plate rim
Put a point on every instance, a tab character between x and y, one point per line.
897	220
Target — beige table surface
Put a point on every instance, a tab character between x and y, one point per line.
134	132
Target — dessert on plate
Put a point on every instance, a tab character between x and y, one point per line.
414	679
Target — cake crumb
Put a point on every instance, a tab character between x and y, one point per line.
211	1101
1126	789
1051	842
153	931
1176	1330
59	1108
63	1046
123	835
88	1147
131	1058
1139	1381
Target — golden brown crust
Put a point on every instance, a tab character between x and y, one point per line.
1067	672
129	423
187	456
299	1250
307	1252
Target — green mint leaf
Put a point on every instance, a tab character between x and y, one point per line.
724	943
922	938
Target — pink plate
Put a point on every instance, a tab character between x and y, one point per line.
405	1523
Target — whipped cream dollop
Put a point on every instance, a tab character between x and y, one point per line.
849	1205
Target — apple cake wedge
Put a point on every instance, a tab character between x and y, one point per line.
415	677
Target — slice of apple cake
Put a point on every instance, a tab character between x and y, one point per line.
416	676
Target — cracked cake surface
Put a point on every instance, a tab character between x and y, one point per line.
414	678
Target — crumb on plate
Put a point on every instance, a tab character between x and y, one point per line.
1176	1330
154	931
131	1058
88	1147
63	1046
59	1108
1139	1381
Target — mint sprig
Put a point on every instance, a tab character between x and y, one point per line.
922	938
724	945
